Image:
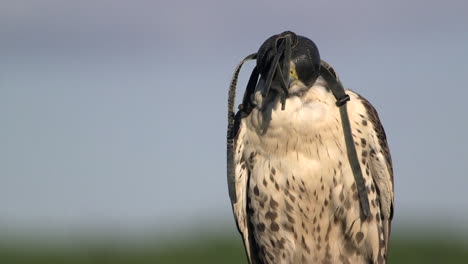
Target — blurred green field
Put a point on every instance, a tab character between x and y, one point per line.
210	250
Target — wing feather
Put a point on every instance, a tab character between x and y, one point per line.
381	167
238	178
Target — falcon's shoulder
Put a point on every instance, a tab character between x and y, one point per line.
376	163
380	162
238	180
381	137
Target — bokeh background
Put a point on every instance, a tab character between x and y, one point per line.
113	119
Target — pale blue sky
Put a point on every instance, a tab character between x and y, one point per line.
114	112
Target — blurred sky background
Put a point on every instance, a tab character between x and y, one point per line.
113	113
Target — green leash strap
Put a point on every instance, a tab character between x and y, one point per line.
341	99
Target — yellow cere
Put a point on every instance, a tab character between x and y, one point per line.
293	73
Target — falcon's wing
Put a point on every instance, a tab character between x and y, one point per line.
238	180
381	167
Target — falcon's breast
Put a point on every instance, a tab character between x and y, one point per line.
301	201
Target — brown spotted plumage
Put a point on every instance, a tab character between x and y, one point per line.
297	200
294	196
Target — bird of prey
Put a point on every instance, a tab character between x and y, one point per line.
309	170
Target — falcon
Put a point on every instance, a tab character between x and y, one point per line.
309	170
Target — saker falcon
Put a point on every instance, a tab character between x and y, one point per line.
309	170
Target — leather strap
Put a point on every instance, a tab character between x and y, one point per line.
231	132
341	99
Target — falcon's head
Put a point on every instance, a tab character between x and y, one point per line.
288	64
